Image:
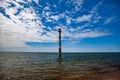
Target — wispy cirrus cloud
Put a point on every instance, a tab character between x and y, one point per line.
108	20
87	33
83	18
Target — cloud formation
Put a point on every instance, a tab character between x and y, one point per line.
30	21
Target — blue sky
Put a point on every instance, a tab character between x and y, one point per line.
87	25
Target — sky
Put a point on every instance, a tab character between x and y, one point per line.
87	25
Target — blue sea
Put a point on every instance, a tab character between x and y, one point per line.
45	66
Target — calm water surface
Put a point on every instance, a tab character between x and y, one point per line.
49	64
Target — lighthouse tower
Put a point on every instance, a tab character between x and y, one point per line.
59	49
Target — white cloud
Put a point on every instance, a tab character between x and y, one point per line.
95	8
28	27
22	28
16	35
83	18
87	33
47	13
94	12
46	8
21	1
68	20
26	14
108	20
91	34
78	2
55	17
36	1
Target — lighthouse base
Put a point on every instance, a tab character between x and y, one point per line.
60	52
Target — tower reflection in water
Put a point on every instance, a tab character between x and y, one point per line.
59	63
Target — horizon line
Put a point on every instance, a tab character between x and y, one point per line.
58	52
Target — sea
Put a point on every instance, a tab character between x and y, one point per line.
46	66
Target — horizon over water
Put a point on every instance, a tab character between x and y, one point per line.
58	52
48	66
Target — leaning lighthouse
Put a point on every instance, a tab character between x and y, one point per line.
59	43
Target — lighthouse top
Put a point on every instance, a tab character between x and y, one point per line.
59	30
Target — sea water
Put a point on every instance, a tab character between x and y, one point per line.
27	64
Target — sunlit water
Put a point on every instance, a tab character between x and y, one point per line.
44	65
